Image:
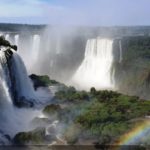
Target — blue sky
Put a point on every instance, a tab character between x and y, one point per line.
76	12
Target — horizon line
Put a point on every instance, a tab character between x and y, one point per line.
46	24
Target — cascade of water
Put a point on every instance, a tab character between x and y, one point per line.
7	37
5	82
13	119
16	39
24	86
58	46
1	34
6	105
95	70
35	48
120	48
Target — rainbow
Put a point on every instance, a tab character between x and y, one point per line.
140	131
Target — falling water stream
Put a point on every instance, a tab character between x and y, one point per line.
95	69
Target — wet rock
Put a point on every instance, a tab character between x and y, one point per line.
14	47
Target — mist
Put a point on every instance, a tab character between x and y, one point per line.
93	49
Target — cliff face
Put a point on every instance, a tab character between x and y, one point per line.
132	73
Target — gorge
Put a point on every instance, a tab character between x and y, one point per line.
63	55
39	110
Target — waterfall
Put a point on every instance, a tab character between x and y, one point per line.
5	98
23	85
7	37
120	48
6	105
15	85
95	69
1	34
14	78
35	48
58	45
16	39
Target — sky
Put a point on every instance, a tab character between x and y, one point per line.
76	12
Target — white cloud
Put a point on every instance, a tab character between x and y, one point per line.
76	12
28	11
21	8
46	12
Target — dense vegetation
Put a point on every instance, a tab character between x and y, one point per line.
51	109
42	80
132	74
70	94
136	48
97	116
33	137
105	115
109	114
20	27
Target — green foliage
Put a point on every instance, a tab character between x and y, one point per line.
42	80
33	137
71	94
93	90
136	47
132	74
104	114
72	133
105	95
12	27
109	113
51	109
46	79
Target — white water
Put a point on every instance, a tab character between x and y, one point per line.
23	83
120	48
12	119
7	37
95	70
16	39
35	48
58	46
51	129
5	98
1	34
